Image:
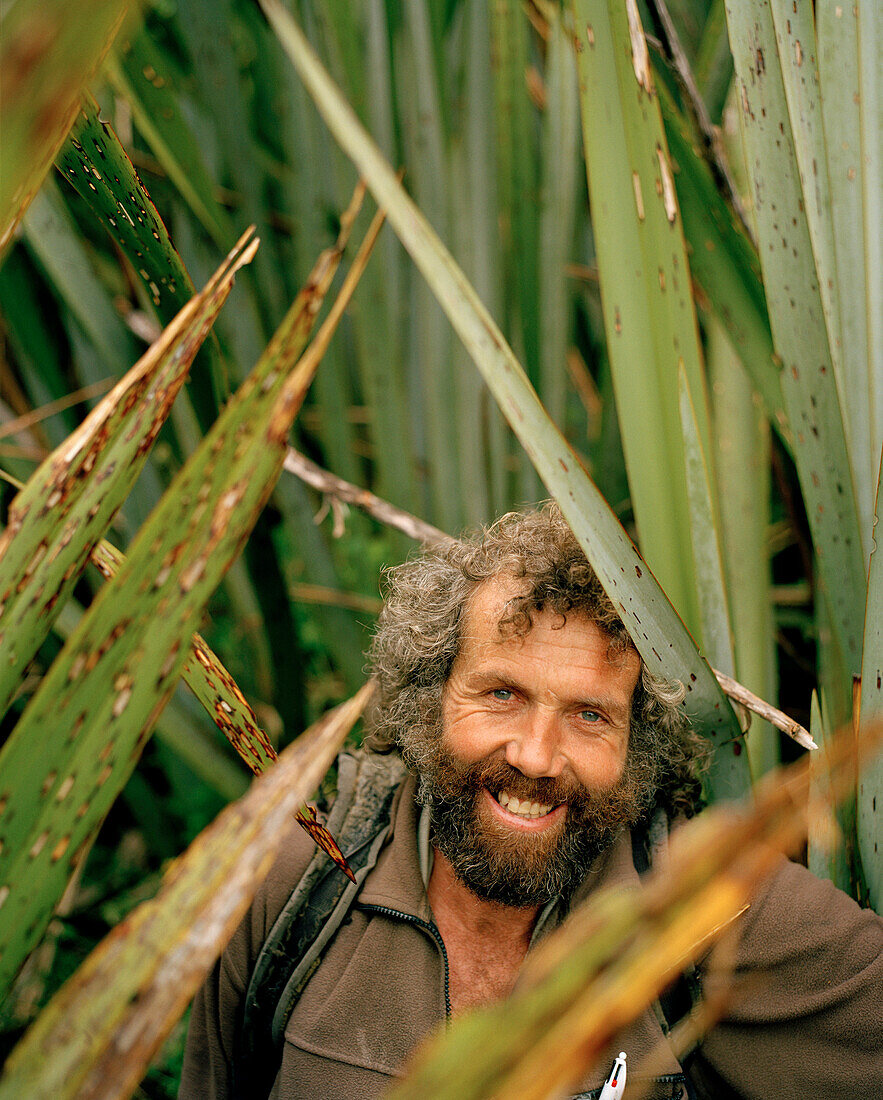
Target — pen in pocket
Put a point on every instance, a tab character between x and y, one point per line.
614	1086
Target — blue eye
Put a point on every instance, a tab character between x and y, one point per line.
590	716
502	694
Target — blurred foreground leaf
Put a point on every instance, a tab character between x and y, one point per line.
96	1037
49	50
870	788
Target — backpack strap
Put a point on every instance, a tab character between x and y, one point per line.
650	844
359	819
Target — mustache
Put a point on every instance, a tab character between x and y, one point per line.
496	774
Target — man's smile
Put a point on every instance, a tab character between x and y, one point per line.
523	814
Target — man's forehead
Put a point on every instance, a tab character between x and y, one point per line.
496	599
493	600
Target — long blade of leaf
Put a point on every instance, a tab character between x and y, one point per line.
851	94
870	789
797	314
49	50
142	74
711	587
742	467
660	636
96	164
57	519
826	854
649	314
125	998
96	707
724	264
98	167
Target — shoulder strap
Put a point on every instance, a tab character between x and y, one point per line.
359	820
650	849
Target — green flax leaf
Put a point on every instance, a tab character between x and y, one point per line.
851	101
646	295
798	309
706	542
97	165
724	264
56	520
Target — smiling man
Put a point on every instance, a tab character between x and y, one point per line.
541	756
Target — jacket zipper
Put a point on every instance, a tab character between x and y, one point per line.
427	927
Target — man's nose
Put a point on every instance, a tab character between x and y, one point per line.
535	746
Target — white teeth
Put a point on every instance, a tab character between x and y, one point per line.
522	808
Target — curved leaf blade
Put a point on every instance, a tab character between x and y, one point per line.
49	50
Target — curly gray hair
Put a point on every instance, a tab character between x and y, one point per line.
418	637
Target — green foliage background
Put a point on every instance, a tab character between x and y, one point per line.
479	106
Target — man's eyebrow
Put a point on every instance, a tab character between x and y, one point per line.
484	677
480	676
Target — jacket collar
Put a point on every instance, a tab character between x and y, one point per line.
396	882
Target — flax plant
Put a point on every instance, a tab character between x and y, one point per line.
676	336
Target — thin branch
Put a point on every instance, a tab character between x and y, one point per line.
713	145
340	490
754	703
333	597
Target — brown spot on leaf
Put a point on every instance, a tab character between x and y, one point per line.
77	726
39	844
639	195
65	789
60	848
640	53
